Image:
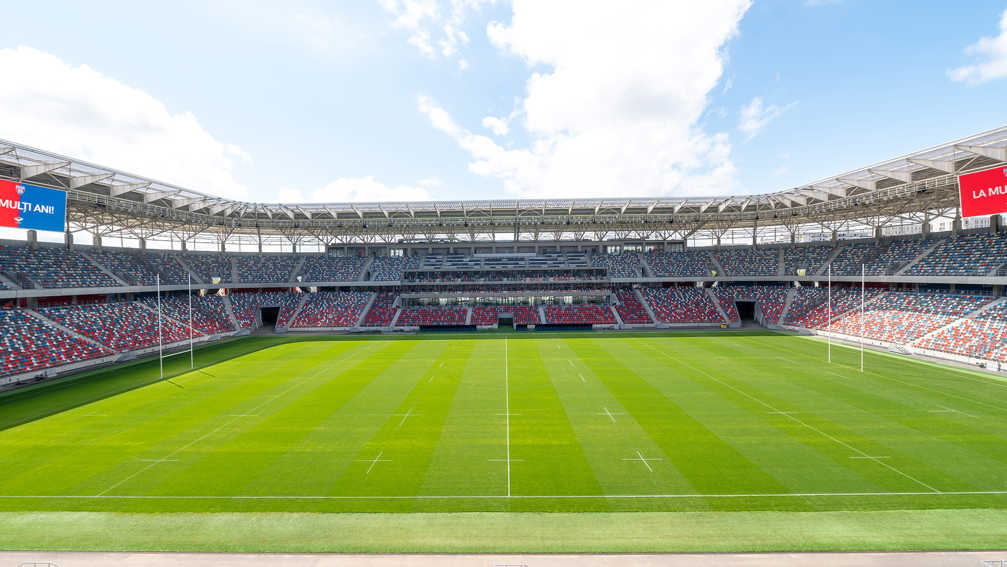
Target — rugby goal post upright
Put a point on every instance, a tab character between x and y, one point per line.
863	279
828	316
160	333
192	356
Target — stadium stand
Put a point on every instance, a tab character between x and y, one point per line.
329	268
27	344
489	315
770	300
52	268
749	261
168	267
432	315
631	311
809	258
690	263
209	266
209	316
579	315
331	309
681	305
810	307
128	266
386	269
982	336
622	265
903	317
119	326
265	269
975	254
382	311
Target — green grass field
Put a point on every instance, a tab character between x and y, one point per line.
722	440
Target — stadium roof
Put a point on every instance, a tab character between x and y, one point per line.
103	200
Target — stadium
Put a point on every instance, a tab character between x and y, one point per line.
510	356
203	362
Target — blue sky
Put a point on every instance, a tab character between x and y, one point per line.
399	99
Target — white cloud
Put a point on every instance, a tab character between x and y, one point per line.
496	125
434	28
78	111
355	190
614	99
296	23
755	116
994	50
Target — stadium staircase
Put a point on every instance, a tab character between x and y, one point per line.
234	270
781	262
395	319
716	265
297	309
615	312
67	330
647	271
230	312
958	320
791	294
917	259
646	306
103	269
541	315
292	277
364	269
720	309
7	282
828	261
363	313
192	273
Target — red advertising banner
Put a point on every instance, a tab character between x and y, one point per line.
983	192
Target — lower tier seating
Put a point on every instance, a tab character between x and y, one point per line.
579	315
984	336
331	309
432	315
118	326
28	344
769	299
382	311
681	305
631	311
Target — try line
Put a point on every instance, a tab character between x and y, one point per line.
500	496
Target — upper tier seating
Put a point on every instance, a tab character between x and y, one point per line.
432	315
172	273
579	315
209	266
968	255
119	326
329	268
770	300
382	311
331	309
809	258
128	266
749	261
984	336
622	265
209	317
386	269
27	344
903	317
681	305
631	311
266	269
689	263
53	267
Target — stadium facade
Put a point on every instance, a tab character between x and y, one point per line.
933	282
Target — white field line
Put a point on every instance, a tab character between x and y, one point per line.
801	422
496	496
639	457
406	416
507	409
582	378
374	461
610	414
197	440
